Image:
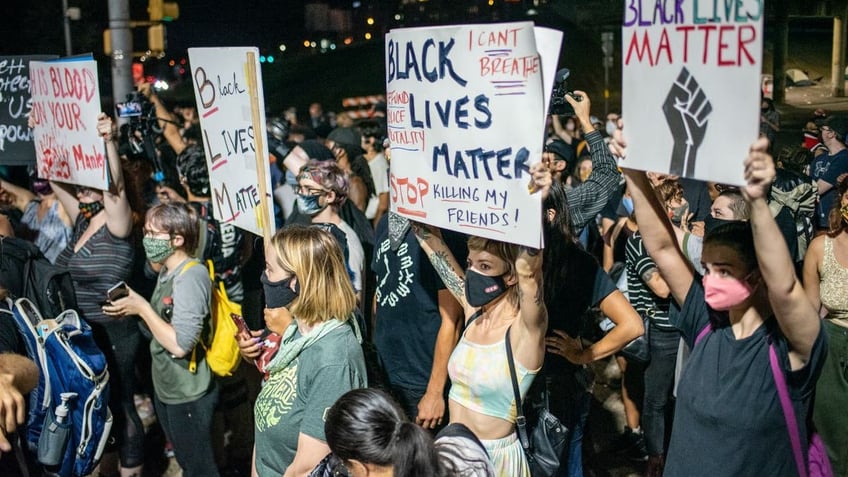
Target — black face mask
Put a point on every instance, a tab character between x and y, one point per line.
482	289
711	223
279	294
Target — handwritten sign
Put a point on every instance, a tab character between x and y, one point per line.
466	112
691	85
65	106
16	138
221	90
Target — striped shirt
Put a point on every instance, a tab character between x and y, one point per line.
638	263
102	262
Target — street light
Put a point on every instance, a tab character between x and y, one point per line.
69	14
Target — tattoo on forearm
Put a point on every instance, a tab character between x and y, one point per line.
448	274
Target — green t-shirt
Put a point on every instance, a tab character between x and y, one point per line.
189	287
296	399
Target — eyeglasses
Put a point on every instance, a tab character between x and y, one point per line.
153	233
304	190
85	191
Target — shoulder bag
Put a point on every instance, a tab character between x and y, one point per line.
542	436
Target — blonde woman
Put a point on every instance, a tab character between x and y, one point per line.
310	302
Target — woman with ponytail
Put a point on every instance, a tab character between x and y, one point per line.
370	434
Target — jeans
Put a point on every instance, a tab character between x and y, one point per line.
188	427
659	383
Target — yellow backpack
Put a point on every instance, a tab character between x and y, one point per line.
222	353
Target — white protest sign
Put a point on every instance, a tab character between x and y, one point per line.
65	106
221	89
691	88
466	115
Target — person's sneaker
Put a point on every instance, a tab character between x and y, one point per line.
631	445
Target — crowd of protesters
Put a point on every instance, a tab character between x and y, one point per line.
348	297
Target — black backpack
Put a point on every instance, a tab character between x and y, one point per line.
26	273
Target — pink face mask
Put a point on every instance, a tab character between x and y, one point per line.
723	294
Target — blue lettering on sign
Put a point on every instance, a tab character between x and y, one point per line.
505	165
410	68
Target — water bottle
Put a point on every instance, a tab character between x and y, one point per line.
54	436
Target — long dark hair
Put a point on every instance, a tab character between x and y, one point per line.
836	221
560	241
368	426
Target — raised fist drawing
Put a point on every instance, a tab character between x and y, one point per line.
686	110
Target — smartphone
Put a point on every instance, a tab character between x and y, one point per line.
128	109
240	323
120	290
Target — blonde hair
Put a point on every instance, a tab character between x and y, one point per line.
505	251
315	258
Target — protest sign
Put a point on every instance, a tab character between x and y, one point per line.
691	86
16	138
65	106
238	174
466	116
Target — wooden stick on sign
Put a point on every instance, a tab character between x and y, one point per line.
262	215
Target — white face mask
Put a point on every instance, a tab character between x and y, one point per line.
611	127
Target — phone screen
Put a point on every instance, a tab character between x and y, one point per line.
128	110
240	324
118	291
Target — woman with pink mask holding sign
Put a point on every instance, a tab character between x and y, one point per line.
757	343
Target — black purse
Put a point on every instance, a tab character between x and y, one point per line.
542	436
639	350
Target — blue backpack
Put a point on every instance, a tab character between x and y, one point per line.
69	418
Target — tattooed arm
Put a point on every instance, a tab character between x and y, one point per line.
451	273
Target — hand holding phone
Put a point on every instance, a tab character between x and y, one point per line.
120	290
240	324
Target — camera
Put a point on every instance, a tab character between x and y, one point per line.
559	105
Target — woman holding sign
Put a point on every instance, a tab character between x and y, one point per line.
756	340
502	294
100	255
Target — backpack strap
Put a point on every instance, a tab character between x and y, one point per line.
788	411
192	363
703	333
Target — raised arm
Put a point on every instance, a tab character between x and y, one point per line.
658	236
170	131
587	199
451	273
115	202
796	316
20	196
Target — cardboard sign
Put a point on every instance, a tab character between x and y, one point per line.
16	138
222	92
65	106
691	92
466	114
